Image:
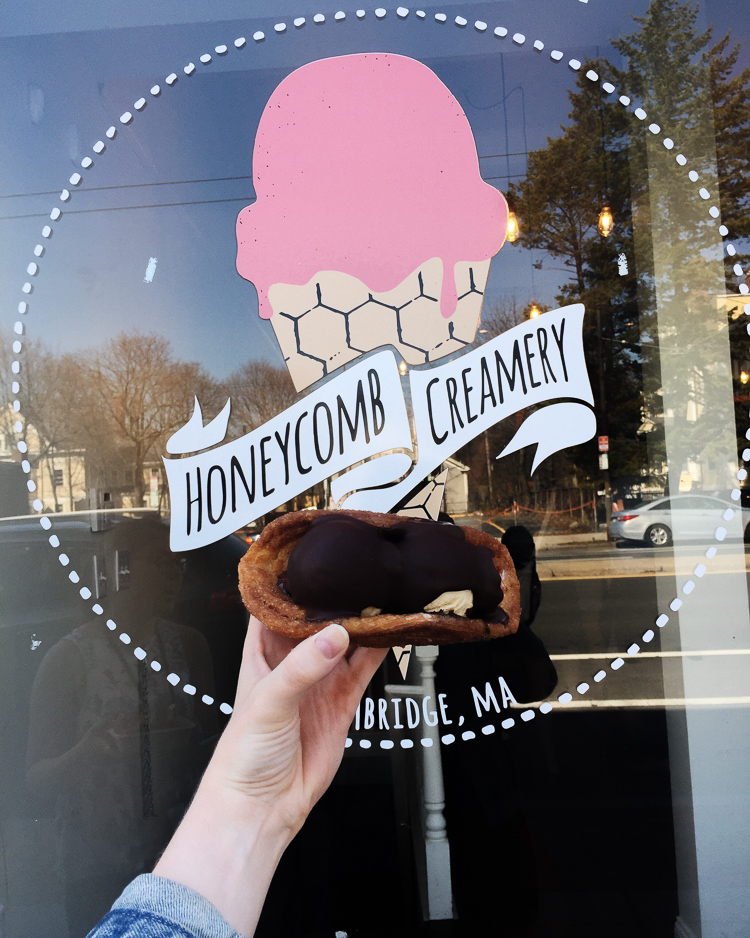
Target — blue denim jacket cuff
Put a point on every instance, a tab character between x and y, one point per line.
175	903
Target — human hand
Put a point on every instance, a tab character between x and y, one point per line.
277	756
293	707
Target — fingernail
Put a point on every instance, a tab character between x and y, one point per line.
332	640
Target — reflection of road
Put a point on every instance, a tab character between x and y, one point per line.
596	602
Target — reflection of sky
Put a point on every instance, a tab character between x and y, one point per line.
63	89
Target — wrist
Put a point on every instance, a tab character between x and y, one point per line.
227	849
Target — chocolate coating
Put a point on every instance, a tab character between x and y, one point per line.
342	565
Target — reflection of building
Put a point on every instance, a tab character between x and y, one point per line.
456	487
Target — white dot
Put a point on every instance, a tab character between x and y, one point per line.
238	44
207	699
156	90
99	147
648	635
221	50
737	269
55	213
468	734
39	250
189	689
721	533
340	16
64	195
54	540
365	743
73	576
259	36
488	730
386	744
624	100
319	18
171	79
693	176
574	64
23	307
87	162
15	386
555	55
519	38
742	473
189	68
206	57
156	666
480	26
617	664
582	688
711	553
126	118
704	193
599	676
111	133
407	744
17	347
681	159
97	609
124	638
507	724
441	18
111	625
300	21
18	328
173	679
538	45
654	128
668	143
27	288
64	559
640	114
139	653
140	104
565	698
33	269
501	32
731	250
225	708
608	87
426	742
380	13
347	743
723	231
728	514
361	14
447	739
714	212
546	707
592	75
744	288
460	21
688	588
527	715
280	27
675	604
22	447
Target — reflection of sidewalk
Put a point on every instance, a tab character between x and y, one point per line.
651	564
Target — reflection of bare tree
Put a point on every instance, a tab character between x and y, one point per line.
259	391
142	395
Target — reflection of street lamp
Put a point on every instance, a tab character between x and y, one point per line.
534	311
606	222
402	368
744	377
512	230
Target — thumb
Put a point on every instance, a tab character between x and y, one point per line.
304	666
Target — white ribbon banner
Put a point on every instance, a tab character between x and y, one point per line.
360	413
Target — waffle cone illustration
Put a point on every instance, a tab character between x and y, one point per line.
372	225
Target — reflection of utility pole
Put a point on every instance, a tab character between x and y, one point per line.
603	429
489	469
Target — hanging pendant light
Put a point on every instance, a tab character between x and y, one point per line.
606	222
512	230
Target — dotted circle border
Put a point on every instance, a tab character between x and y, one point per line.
127	117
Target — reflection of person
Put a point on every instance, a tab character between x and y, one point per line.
276	757
111	742
492	861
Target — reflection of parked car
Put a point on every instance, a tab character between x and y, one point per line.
698	518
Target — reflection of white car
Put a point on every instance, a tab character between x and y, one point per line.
699	517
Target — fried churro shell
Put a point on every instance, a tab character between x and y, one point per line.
267	558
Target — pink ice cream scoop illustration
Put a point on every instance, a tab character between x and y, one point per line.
372	224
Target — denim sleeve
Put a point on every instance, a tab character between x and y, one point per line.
154	907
